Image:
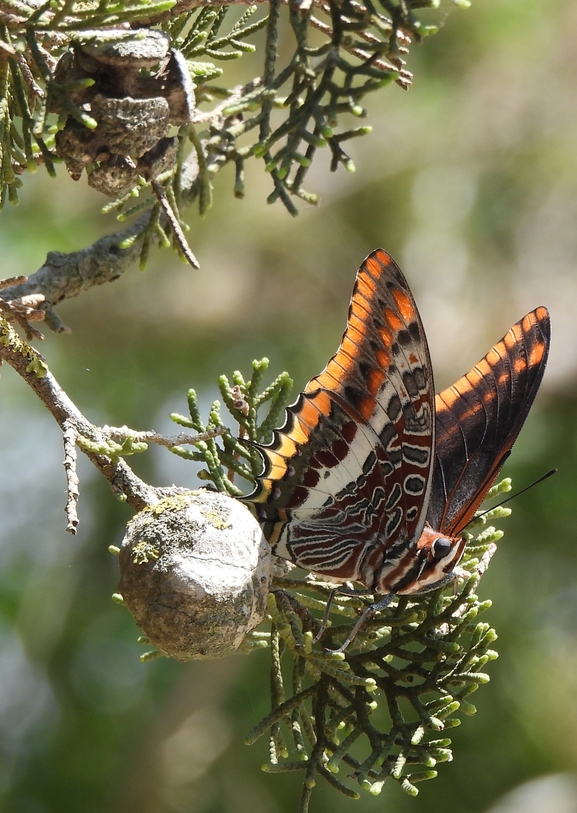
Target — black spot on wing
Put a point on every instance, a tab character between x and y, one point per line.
369	463
395	495
353	395
410	385
415	331
364	368
415	454
421	378
415	484
394	408
412	513
387	468
387	434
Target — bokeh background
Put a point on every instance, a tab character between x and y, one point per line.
470	181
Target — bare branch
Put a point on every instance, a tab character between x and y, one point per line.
124	432
64	276
360	54
174	224
29	364
72	486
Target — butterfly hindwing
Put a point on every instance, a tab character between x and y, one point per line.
350	470
478	420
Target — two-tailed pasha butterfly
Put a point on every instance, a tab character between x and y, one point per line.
372	478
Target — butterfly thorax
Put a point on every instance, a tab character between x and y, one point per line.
414	568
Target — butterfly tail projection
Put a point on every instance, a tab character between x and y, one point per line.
478	420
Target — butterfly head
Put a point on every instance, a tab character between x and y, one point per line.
427	566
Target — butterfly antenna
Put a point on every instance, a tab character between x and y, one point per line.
517	493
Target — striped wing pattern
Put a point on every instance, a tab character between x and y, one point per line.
371	478
347	476
479	417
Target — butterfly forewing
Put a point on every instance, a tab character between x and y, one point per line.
478	420
350	470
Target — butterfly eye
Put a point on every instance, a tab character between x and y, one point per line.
441	547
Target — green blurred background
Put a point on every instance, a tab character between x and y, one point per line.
470	181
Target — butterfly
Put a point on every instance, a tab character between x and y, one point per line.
372	478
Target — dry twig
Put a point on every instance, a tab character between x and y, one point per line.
120	433
69	437
30	365
177	231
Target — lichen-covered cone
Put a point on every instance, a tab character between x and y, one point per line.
194	572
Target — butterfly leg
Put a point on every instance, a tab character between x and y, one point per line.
368	613
343	591
325	621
